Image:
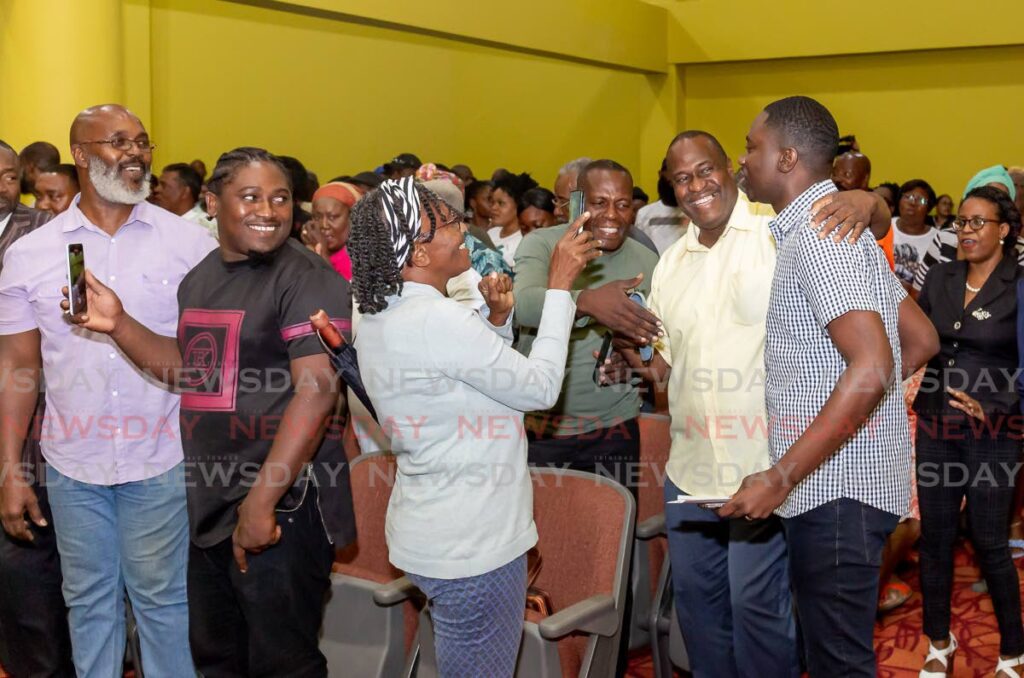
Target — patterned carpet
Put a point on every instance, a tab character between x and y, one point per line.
899	642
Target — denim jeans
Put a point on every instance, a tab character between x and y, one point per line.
134	536
730	580
835	552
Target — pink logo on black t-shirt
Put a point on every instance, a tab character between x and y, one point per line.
209	342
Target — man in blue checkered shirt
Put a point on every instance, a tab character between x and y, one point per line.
840	330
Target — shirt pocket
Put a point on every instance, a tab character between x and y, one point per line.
50	317
160	298
749	291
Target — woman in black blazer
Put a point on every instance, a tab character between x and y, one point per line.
969	424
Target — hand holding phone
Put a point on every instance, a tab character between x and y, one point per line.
104	311
646	351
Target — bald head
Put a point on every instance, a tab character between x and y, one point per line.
112	153
851	171
100	117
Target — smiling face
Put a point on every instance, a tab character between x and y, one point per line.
981	244
330	215
609	199
447	255
253	211
118	177
701	177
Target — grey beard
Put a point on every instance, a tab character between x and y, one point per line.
112	188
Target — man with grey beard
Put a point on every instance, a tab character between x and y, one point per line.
114	471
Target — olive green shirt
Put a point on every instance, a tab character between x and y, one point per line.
582	406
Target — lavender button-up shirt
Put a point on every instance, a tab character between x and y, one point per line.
106	422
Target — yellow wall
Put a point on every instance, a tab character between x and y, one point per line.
346	97
346	84
939	115
713	30
37	56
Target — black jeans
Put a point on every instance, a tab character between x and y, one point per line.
33	616
266	622
954	461
611	452
835	552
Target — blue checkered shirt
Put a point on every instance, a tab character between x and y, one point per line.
817	281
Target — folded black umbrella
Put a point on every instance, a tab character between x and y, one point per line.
343	358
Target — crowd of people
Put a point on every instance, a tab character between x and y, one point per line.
840	364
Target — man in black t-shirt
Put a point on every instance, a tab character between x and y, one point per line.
268	493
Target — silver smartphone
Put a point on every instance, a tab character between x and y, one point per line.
576	199
76	278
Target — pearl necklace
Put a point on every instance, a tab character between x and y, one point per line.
972	290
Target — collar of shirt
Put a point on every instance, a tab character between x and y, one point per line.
140	213
413	289
6	220
740	220
798	212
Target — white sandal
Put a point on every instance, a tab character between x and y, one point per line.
945	656
1007	667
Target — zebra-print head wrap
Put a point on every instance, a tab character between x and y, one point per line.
402	213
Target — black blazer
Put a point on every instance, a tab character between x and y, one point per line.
978	344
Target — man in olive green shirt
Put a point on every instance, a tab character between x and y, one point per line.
591	428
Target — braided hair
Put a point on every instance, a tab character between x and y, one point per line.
229	163
382	240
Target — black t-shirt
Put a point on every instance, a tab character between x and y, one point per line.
241	324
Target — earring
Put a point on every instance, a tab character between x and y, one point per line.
1001	241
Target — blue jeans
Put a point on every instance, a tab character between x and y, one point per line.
730	579
835	553
478	621
134	536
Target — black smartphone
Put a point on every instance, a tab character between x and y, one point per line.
76	278
602	355
576	199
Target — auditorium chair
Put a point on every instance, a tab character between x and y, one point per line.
359	637
650	550
585	523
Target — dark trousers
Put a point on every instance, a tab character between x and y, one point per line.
732	593
612	452
266	622
954	462
33	617
835	552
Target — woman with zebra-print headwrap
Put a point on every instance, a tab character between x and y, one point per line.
448	386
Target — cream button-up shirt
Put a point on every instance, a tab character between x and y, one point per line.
713	304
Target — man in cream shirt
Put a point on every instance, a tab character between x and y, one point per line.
710	289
